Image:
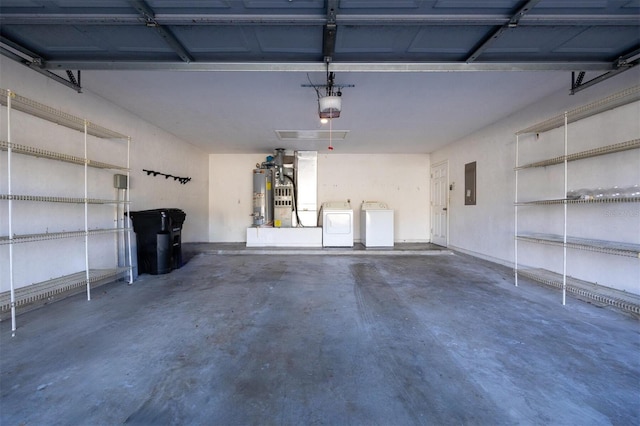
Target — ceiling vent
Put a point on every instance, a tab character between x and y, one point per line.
312	135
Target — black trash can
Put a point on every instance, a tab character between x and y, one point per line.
159	239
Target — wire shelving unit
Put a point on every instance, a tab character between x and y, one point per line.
27	293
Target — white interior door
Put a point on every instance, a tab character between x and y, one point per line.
439	203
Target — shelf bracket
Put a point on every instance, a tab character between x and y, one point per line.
31	60
622	64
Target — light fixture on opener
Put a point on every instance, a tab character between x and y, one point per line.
329	96
329	103
329	107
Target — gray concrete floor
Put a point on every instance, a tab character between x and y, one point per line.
310	339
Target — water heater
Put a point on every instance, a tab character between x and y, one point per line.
262	197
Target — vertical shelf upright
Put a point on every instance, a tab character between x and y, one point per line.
569	201
27	291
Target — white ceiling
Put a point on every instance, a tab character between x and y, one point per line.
239	112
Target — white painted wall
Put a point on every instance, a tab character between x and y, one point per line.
402	181
231	195
486	229
151	148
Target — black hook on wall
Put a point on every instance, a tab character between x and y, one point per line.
182	180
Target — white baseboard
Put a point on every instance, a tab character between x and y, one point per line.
483	256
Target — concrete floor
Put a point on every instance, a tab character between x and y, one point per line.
311	339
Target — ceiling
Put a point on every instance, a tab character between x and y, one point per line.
415	74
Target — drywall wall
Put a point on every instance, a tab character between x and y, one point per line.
487	228
231	195
402	181
151	148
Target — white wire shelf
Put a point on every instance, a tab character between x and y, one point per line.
29	238
621	98
53	115
44	291
51	155
50	199
579	201
600	246
620	299
609	149
50	288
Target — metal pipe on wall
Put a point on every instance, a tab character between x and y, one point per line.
128	208
564	233
515	239
86	211
11	281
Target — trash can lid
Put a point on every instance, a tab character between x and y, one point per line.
176	215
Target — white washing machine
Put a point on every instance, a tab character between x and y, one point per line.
376	224
337	224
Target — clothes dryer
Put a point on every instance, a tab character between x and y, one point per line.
337	224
